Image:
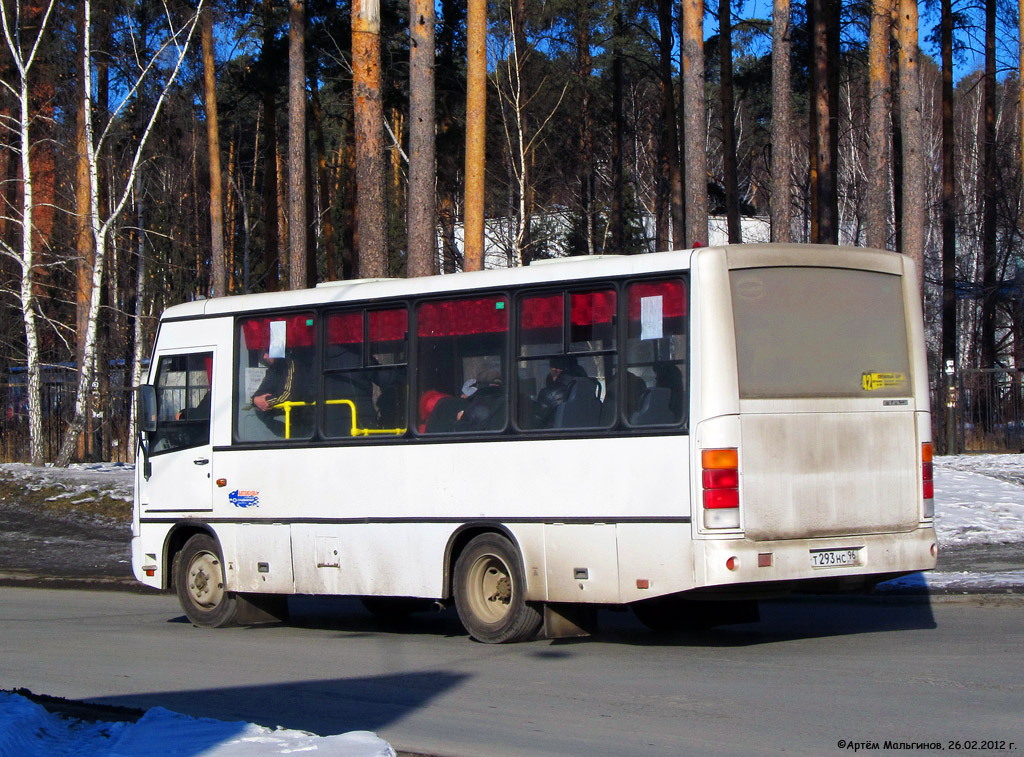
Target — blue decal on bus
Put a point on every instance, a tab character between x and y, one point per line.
244	498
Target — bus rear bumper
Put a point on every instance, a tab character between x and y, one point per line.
833	562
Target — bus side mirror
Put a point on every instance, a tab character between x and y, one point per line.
145	399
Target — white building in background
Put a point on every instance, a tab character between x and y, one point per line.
549	232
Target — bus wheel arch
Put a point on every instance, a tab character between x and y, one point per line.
200	582
489	587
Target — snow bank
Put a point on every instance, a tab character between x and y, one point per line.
28	730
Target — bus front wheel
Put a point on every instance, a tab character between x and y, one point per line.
199	582
489	592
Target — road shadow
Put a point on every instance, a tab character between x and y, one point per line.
784	619
347	615
321	707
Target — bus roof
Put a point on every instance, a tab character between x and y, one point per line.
541	272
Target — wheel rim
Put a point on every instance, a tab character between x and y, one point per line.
490	588
205	580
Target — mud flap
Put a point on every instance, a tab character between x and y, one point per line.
256	609
567	620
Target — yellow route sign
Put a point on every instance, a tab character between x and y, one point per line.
872	381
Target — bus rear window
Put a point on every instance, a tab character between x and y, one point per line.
820	332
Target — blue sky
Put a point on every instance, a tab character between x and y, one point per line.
973	58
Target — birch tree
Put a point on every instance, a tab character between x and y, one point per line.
173	50
24	54
514	89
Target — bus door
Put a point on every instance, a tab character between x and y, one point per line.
180	448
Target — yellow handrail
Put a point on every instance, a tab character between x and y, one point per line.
356	431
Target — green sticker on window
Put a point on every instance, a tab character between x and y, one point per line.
309	321
499	305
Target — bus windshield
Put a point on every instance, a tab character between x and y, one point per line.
820	332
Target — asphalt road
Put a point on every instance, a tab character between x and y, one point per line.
812	675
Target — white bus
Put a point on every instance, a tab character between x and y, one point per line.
668	431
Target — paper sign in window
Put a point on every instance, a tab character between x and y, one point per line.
651	317
278	338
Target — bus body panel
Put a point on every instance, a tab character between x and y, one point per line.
829	474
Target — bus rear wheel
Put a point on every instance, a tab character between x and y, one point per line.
199	583
489	592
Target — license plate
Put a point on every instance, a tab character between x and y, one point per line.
834	558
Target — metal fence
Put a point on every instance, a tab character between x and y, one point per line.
106	436
980	410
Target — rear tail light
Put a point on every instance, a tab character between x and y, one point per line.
720	478
927	481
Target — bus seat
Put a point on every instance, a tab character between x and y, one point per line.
654	408
582	408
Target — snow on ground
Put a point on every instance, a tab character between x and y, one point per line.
113	479
28	730
979	500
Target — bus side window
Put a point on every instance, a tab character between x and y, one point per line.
365	373
183	402
462	379
275	391
567	360
656	346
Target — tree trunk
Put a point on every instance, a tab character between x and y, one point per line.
668	182
369	123
422	213
476	133
324	187
949	338
296	144
83	232
823	222
877	212
23	59
271	229
584	72
913	141
729	170
616	215
217	262
694	127
782	109
988	169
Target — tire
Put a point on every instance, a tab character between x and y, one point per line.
199	583
675	613
489	592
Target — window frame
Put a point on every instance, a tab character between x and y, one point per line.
184	423
513	296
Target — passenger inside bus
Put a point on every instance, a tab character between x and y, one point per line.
486	403
284	381
570	398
